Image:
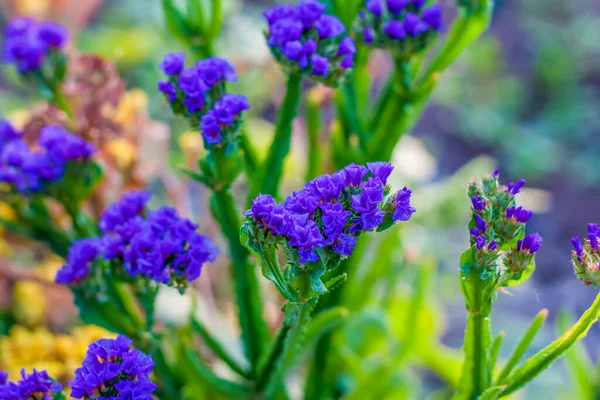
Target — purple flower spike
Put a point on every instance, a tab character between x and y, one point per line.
168	89
576	242
172	63
403	210
480	223
413	25
432	16
396	6
478	203
113	366
520	214
593	236
329	26
515	188
531	243
37	385
492	246
375	7
310	11
395	30
320	65
381	170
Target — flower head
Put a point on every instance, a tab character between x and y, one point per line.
31	170
199	93
402	26
36	385
113	366
27	43
158	244
305	40
586	257
327	216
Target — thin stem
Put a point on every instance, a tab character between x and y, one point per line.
314	124
272	169
545	357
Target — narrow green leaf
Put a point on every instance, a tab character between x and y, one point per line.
323	323
217	348
492	393
496	344
195	14
197	176
545	357
272	169
216	18
577	361
523	345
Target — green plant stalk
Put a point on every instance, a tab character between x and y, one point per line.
523	345
542	360
314	124
272	271
476	374
129	304
272	169
218	349
244	276
297	317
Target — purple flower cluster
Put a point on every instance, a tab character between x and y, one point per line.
403	25
199	92
304	39
332	211
156	244
27	42
37	385
28	170
112	369
586	256
497	224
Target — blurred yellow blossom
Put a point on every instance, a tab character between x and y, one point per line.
132	103
39	348
29	298
123	152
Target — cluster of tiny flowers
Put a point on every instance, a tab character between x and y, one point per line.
199	93
29	170
403	26
113	370
586	256
497	221
28	42
156	244
331	211
37	385
303	39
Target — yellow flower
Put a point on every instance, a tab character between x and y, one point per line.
29	302
60	355
123	151
32	7
133	103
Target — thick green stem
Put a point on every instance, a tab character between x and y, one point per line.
542	360
297	317
476	374
272	169
244	276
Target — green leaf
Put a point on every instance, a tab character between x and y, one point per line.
467	262
217	348
272	169
523	345
525	274
492	393
545	357
195	15
175	21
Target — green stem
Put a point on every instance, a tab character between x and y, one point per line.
542	360
129	304
523	345
246	284
272	169
218	349
61	102
314	124
272	271
297	316
476	375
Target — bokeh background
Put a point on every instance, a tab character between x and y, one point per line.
524	98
